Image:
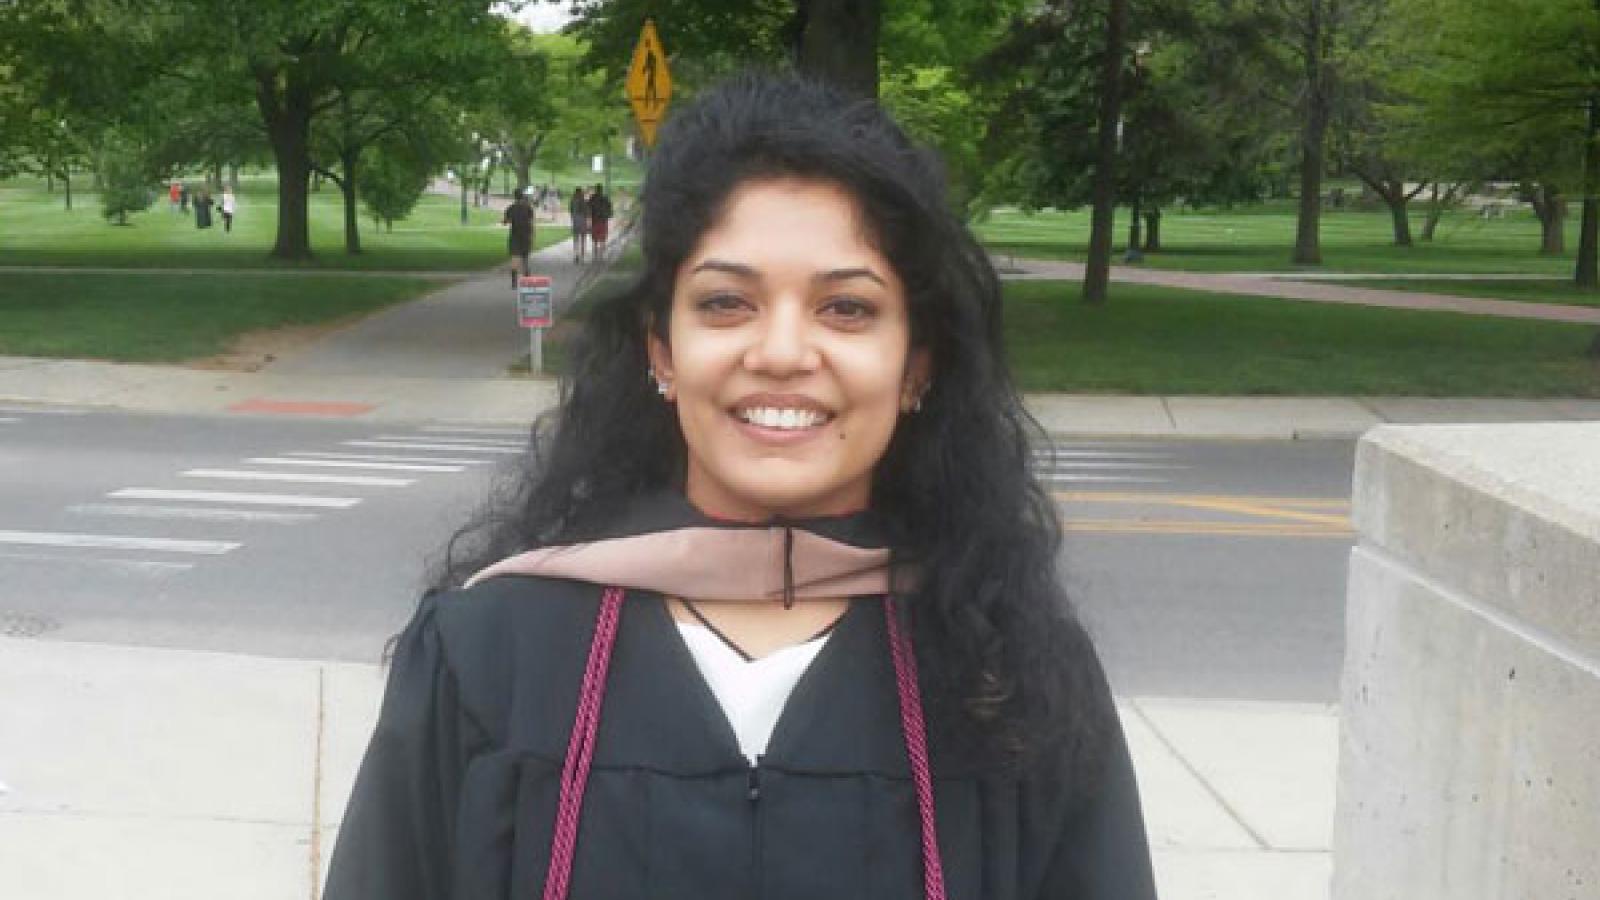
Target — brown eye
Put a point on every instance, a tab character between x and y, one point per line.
720	304
850	309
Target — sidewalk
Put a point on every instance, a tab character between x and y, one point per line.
1287	286
141	773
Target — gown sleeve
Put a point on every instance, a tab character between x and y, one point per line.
1103	852
396	839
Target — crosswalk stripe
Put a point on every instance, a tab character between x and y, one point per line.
135	566
352	464
1123	465
398	445
387	457
1099	479
232	497
41	410
1098	454
442	439
115	542
197	513
469	429
300	477
7	420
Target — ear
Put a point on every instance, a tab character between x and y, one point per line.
660	360
919	371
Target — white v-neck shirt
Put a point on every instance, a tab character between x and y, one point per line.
752	693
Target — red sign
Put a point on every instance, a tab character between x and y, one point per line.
535	301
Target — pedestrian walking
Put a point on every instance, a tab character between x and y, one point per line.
202	208
772	610
578	209
599	221
519	216
174	193
183	199
227	207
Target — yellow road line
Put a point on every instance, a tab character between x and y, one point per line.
1265	511
1196	527
1137	497
1287	516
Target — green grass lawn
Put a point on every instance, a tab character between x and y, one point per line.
1543	291
162	318
1154	340
37	230
1259	239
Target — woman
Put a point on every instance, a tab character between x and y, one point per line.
578	209
771	611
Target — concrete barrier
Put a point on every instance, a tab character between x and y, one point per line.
1470	746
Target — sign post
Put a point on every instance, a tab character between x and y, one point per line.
649	84
536	312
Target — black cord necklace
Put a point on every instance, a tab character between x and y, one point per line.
729	642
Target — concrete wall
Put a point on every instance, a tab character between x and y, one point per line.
1470	746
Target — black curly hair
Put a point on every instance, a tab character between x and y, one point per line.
1002	656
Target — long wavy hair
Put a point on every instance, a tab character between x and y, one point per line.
1002	656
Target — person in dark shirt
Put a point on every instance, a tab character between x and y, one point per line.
599	221
772	610
519	215
578	209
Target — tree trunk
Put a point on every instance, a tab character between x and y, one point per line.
1402	219
837	41
233	176
66	184
1551	209
1436	207
1588	273
287	116
1152	230
1135	231
1313	136
1097	268
352	222
464	196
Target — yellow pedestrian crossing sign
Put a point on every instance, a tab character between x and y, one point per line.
649	83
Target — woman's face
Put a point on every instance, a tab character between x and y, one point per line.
789	355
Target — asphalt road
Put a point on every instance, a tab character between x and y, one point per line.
1206	569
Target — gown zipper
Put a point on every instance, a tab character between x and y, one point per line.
753	797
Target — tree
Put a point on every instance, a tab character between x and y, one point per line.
392	182
1184	130
53	111
125	184
1305	50
1524	74
846	42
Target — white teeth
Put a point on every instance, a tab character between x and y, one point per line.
771	417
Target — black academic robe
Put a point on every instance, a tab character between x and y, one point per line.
456	797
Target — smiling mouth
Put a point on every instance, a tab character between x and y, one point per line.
783	419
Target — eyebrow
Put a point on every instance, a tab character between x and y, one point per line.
744	271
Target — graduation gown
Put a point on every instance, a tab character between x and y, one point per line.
456	797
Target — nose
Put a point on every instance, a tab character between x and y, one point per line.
782	345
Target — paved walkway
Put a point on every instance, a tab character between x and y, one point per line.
1281	285
468	330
